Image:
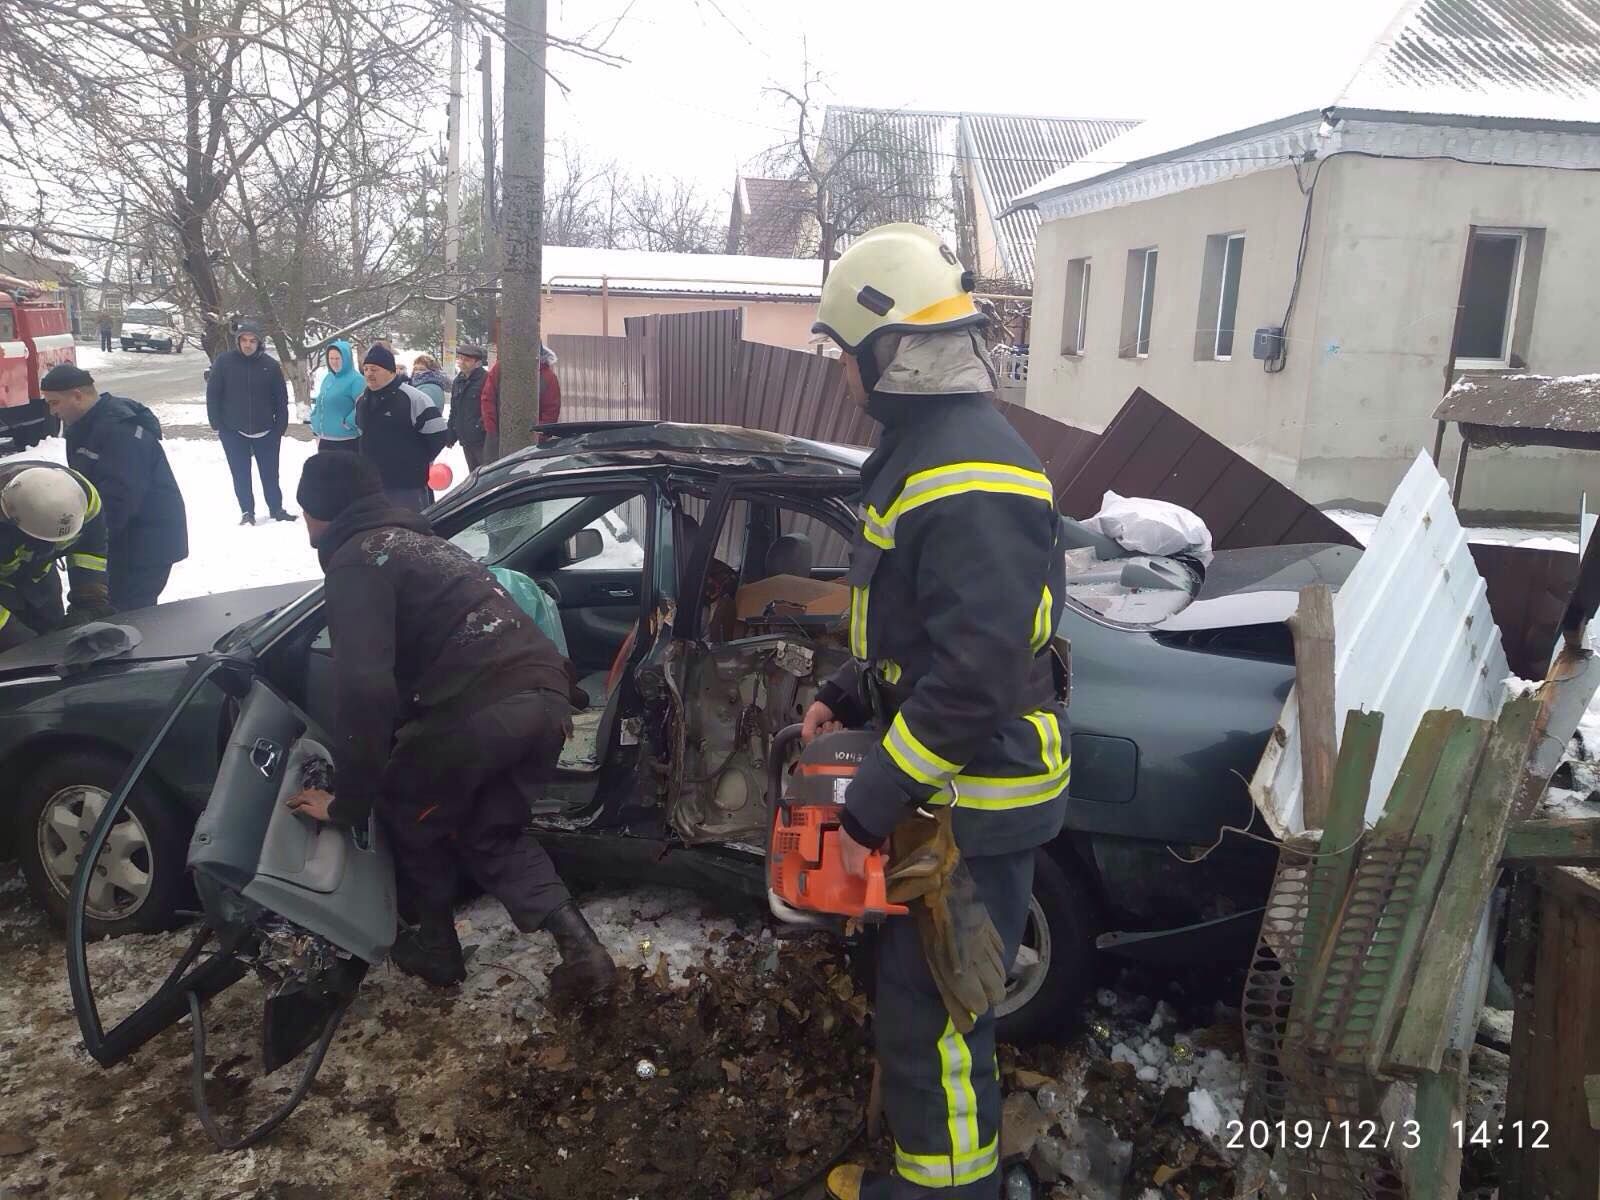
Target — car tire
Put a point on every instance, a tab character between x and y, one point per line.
76	785
1047	994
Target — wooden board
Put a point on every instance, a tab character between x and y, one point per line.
1420	1041
1312	627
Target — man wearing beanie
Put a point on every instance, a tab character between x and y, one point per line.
402	430
116	444
451	708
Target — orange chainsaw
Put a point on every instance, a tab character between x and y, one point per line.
806	881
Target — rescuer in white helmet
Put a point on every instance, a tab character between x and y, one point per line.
49	514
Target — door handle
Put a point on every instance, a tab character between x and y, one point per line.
620	593
264	757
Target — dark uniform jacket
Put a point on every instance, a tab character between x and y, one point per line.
419	629
402	431
247	392
466	412
957	583
117	445
30	588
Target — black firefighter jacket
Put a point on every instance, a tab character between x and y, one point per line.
30	588
419	629
957	583
117	445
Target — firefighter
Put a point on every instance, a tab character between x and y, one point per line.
956	589
49	514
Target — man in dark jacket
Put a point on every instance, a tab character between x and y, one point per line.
402	431
116	443
247	403
466	394
451	709
49	514
957	585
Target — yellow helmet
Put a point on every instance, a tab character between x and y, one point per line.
900	277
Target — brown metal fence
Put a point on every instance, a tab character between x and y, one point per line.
688	363
602	378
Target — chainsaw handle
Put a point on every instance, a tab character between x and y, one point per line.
875	903
777	756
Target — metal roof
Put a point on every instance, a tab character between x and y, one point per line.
775	218
1529	404
581	268
1526	60
911	161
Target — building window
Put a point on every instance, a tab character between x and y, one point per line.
1138	303
1219	297
1075	320
1496	297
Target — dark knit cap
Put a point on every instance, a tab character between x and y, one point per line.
380	355
333	480
64	377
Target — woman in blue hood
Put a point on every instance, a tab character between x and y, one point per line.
333	408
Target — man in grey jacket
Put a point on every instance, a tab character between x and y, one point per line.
402	430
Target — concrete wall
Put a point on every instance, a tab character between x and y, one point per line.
770	322
1370	335
1395	246
1258	414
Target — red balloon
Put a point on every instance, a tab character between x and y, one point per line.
439	476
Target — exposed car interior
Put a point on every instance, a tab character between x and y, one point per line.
1122	586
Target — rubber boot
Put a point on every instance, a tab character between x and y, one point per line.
852	1182
431	951
586	968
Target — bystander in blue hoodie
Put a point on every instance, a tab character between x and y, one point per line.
333	408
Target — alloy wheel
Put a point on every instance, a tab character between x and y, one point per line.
122	877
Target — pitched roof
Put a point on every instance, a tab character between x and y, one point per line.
1525	60
581	268
910	162
1510	405
773	218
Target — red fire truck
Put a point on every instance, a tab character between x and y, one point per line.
34	336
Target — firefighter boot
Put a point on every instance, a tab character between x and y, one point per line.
431	951
852	1182
586	968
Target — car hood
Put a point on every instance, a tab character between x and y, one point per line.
180	629
1261	585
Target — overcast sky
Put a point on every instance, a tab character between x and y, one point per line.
689	99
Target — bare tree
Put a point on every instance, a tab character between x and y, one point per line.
863	167
671	215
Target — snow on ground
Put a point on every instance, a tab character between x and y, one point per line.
92	358
1362	525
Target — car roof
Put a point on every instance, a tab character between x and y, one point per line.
575	446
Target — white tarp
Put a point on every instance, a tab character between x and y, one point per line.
1412	633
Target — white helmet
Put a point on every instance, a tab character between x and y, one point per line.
47	503
899	277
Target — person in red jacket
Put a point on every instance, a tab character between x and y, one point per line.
549	401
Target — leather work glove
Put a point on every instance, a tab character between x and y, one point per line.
963	949
82	614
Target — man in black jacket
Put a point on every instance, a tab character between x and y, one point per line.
116	443
466	396
957	585
247	403
451	708
402	431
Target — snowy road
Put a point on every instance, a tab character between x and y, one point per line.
152	379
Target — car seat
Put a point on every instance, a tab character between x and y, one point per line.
791	554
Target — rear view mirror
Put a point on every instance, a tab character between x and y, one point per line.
582	546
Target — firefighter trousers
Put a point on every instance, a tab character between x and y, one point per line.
941	1090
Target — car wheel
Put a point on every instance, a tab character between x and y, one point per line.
1054	971
140	878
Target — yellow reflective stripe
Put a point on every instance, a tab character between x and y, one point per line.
968	1161
1041	621
953	479
890	670
89	562
5	615
94	499
1000	793
912	757
941	1171
858	622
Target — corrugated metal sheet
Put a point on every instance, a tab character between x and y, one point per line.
602	379
1530	404
775	218
1011	154
1061	448
1412	633
688	363
1149	450
1528	593
789	391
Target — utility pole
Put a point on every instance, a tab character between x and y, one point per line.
452	191
522	228
491	214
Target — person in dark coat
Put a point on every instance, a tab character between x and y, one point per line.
247	403
104	325
466	397
451	708
402	431
116	444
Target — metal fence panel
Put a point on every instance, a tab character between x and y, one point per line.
601	378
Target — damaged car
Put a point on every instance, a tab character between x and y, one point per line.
698	573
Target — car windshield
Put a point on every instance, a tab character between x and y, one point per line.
146	316
1139	589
